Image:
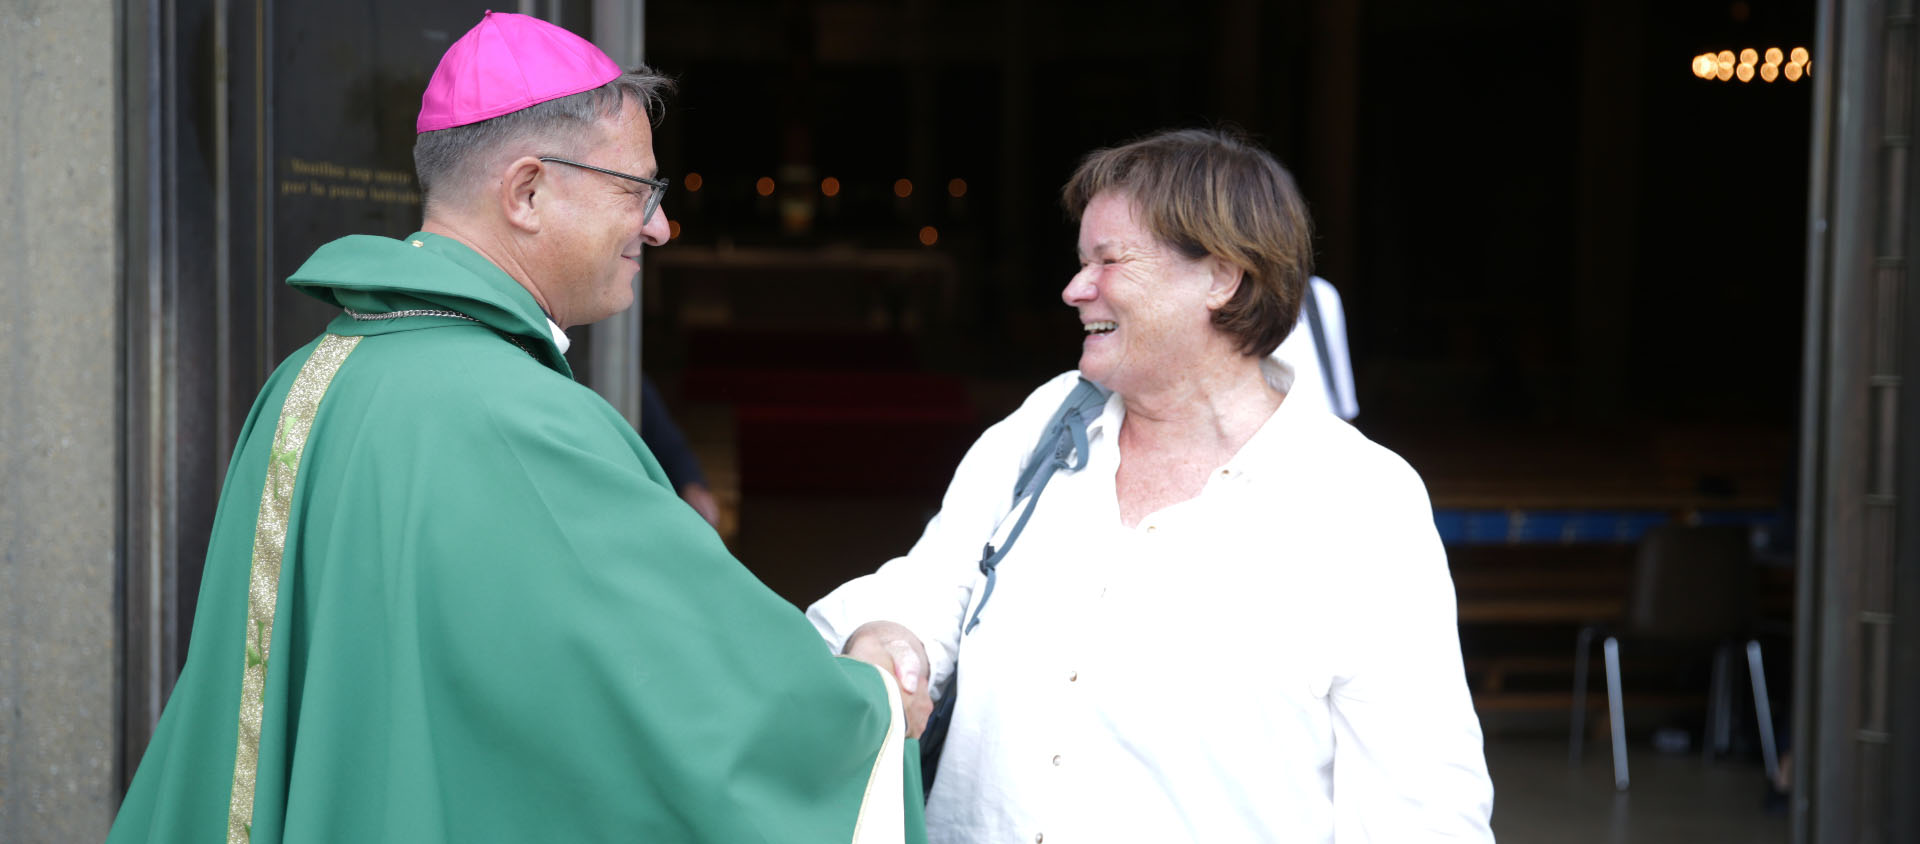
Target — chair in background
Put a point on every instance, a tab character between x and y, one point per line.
1692	586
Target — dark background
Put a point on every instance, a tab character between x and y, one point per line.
1572	271
1485	138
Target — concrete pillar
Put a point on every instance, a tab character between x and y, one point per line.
59	415
613	344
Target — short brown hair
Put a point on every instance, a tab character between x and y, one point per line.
1213	192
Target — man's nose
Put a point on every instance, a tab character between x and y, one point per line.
657	231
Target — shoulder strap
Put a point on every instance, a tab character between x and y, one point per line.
1065	432
1319	330
1062	445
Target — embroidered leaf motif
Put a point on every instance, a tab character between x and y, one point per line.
254	654
288	458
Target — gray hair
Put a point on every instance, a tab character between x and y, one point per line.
445	159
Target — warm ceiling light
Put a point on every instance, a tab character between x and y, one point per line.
693	182
673	229
957	188
1749	56
903	188
1703	66
1724	72
1769	72
929	235
1799	55
764	187
830	186
1774	55
1725	57
1745	72
1792	71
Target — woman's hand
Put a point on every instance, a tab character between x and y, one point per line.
893	647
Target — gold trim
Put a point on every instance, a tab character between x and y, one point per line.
269	546
883	815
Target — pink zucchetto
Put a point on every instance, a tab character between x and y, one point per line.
506	63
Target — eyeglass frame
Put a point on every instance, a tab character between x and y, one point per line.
653	199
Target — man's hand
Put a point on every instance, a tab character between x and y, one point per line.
894	648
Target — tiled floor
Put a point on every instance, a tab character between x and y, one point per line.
1540	799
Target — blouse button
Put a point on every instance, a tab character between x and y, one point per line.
1039	837
1152	528
1056	760
417	244
1073	676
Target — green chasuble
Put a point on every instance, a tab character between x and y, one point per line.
450	597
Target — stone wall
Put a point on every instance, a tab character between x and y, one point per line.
59	416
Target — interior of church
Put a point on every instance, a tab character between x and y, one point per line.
1570	242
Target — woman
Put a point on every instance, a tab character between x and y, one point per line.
1234	623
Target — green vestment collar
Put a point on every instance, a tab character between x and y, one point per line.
374	275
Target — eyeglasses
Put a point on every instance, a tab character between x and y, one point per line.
658	186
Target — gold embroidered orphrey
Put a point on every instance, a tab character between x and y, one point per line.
883	812
269	546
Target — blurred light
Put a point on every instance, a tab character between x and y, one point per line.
764	187
957	188
1793	72
693	182
1724	73
1739	11
929	235
830	186
1806	68
1749	56
903	188
1774	55
1725	57
1745	72
673	229
1769	72
1799	56
1704	66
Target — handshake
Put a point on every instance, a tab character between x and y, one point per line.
898	651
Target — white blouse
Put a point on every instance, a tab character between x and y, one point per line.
1276	659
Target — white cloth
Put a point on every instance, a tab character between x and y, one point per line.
1310	373
560	339
1218	673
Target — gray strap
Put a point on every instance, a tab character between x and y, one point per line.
1086	400
1062	445
1319	330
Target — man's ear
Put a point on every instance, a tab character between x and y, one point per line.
1226	281
521	193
